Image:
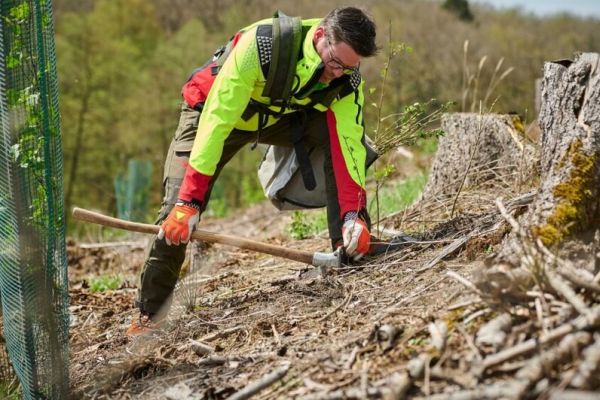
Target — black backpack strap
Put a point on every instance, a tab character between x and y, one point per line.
286	44
297	130
340	87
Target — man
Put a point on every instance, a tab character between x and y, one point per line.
225	107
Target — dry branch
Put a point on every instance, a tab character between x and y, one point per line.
536	368
260	384
588	373
219	334
494	332
579	323
495	391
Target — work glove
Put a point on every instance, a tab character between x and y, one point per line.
356	236
180	224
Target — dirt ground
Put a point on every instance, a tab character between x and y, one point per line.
241	315
477	307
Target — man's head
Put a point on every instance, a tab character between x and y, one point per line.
343	38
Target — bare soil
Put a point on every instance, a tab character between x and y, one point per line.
334	332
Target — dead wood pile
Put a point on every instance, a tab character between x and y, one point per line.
541	290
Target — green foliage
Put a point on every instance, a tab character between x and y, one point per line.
23	99
217	207
306	224
95	233
413	123
393	197
427	146
398	195
383	173
122	63
105	283
460	8
10	390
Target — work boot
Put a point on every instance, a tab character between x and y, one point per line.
144	323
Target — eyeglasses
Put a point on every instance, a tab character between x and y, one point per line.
335	63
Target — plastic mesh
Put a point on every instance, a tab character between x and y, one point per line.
132	190
33	263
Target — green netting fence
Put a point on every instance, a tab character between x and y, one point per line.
33	262
132	190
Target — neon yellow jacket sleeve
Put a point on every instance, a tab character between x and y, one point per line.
227	100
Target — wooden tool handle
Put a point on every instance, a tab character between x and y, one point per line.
236	241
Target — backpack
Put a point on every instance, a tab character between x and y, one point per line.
280	177
279	46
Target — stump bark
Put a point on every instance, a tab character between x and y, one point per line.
478	148
567	204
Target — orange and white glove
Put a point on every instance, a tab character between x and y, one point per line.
355	233
180	224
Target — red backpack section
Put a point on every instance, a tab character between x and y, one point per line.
196	89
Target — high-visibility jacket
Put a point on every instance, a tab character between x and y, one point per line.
225	97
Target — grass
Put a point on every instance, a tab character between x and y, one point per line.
306	224
9	390
392	197
398	195
105	283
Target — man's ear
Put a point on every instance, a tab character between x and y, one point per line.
319	33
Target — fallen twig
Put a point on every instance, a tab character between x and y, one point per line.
219	334
260	384
493	333
572	395
347	394
574	276
343	304
536	368
588	373
566	291
451	248
495	391
579	323
468	284
200	348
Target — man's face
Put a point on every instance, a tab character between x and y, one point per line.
338	58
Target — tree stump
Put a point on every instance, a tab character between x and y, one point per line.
478	148
567	204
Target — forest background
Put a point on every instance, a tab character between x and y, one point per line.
121	65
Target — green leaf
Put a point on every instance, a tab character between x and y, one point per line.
12	96
20	12
13	60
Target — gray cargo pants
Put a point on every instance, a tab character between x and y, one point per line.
163	263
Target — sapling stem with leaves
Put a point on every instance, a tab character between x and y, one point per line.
402	128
